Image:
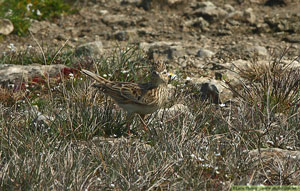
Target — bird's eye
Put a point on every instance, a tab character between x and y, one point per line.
164	72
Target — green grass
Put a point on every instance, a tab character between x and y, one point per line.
70	138
21	11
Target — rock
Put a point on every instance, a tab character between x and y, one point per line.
262	28
211	90
17	73
103	12
61	37
171	50
276	3
260	50
121	36
175	110
229	8
125	35
131	2
249	16
93	49
204	4
235	15
246	16
209	11
6	26
145	4
256	50
292	39
237	65
146	31
173	2
247	50
198	22
288	23
204	53
149	4
120	19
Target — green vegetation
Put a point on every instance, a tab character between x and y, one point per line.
21	11
63	136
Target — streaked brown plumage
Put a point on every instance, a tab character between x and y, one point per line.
137	98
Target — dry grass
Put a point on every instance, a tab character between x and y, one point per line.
74	140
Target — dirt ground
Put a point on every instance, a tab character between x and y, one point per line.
227	30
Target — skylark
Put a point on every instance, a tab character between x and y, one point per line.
141	99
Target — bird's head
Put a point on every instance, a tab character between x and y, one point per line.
159	74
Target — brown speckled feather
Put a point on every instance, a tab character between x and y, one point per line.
126	92
136	98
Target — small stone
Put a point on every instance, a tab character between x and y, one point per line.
6	26
209	11
93	49
249	16
229	8
61	37
198	22
103	12
125	35
122	20
204	53
210	92
171	50
260	50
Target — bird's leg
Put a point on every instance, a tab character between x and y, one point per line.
129	118
142	118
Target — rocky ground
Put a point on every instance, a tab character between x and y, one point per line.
202	38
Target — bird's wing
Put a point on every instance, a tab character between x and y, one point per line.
124	92
132	92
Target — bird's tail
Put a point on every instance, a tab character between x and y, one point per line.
96	77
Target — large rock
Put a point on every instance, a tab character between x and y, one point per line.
288	23
125	35
198	22
245	16
122	20
209	11
169	49
211	90
93	49
175	49
204	53
16	73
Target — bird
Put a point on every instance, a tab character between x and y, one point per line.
136	98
